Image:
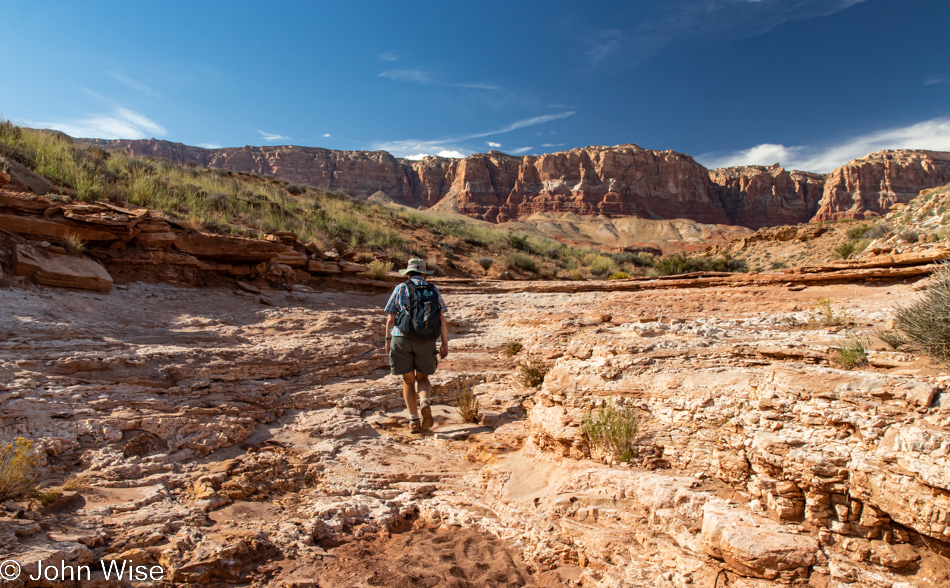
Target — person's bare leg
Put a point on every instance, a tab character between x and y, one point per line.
409	394
425	387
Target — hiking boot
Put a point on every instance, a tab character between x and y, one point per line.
414	426
426	417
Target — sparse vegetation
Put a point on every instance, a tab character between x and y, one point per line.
825	315
680	263
485	262
891	338
513	348
909	235
74	244
851	352
466	403
522	261
619	276
378	269
19	463
611	427
926	322
532	372
844	250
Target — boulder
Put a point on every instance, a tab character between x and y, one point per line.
49	229
57	269
755	546
228	248
23	179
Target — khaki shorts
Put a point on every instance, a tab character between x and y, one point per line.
406	355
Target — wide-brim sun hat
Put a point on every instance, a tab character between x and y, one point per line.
417	265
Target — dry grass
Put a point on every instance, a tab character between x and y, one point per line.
611	427
19	463
851	352
926	322
532	371
379	269
466	403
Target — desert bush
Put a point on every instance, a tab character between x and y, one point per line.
522	261
611	427
378	269
926	322
843	250
891	338
777	265
532	372
19	463
825	315
485	262
851	352
601	266
680	263
512	348
909	235
619	276
878	231
858	232
74	244
465	401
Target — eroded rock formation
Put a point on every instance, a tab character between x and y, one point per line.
624	180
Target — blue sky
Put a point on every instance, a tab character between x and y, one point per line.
809	83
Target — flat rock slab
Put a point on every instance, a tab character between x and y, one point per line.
57	269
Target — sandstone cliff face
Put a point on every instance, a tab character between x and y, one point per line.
758	196
874	183
625	180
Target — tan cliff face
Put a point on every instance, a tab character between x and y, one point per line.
877	181
758	196
619	181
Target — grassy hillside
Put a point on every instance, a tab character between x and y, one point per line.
226	202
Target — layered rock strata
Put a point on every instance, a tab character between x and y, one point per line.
624	180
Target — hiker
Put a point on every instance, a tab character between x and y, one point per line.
415	319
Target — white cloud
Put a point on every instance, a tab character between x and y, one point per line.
552	144
271	137
494	145
121	123
389	56
421	148
209	145
521	150
417	156
931	134
935	79
326	135
138	86
451	153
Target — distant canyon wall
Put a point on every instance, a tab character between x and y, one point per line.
625	180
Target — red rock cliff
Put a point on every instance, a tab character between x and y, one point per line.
758	196
877	181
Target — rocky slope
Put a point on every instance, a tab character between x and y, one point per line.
625	180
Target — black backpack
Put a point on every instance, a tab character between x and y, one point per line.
421	319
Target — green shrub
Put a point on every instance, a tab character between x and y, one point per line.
465	401
378	269
532	372
522	261
611	427
680	263
619	276
891	338
926	322
825	315
485	262
19	463
844	250
858	232
512	348
851	352
601	265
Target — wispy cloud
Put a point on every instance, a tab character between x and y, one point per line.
271	137
326	135
121	123
521	150
135	85
209	145
935	79
420	76
677	20
494	145
420	148
548	145
931	134
389	56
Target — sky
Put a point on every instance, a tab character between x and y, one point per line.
810	84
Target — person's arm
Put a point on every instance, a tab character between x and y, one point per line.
390	323
444	350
